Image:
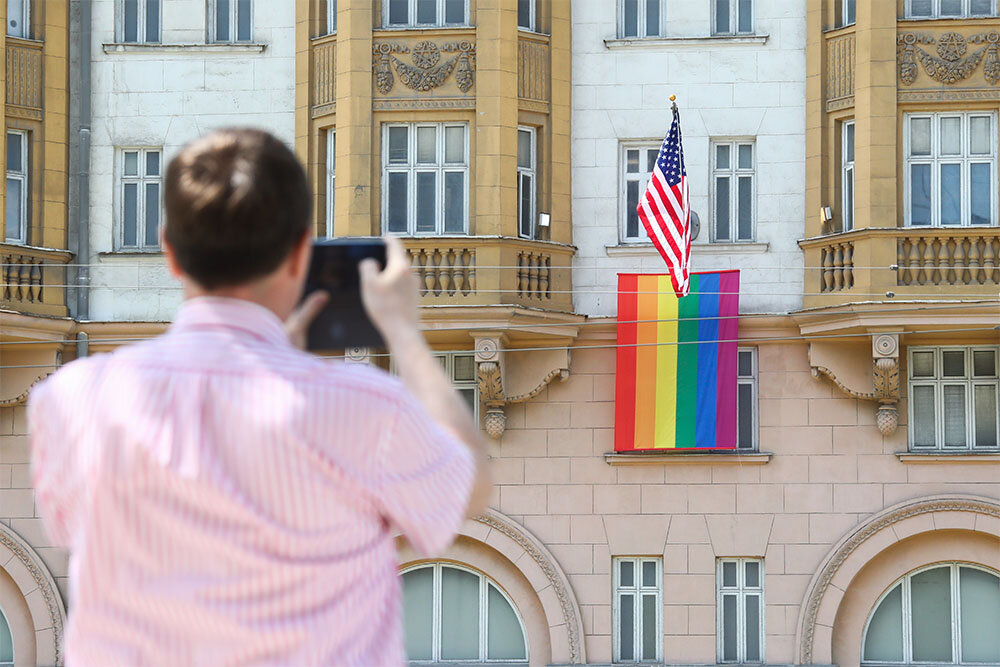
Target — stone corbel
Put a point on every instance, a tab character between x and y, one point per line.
510	376
358	355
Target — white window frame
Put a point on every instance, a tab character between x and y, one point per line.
532	173
641	20
969	381
532	17
25	177
331	179
141	180
907	610
412	17
847	204
734	172
624	177
234	9
484	583
845	14
752	381
142	7
741	591
412	168
936	10
935	160
331	17
734	18
25	31
637	591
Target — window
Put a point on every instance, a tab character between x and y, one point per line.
139	21
331	179
932	9
732	17
641	18
733	194
847	175
460	367
740	608
944	614
526	14
746	399
140	198
950	169
453	614
421	13
331	16
16	221
232	20
6	643
848	12
638	610
638	162
19	18
953	398
425	178
526	182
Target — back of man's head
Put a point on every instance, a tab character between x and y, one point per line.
237	203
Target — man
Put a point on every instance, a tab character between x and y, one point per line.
226	497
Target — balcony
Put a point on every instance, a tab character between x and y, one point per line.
33	279
24	78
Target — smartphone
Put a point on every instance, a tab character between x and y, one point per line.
343	322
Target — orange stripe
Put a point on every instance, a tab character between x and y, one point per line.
645	362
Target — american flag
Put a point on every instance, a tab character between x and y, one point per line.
665	210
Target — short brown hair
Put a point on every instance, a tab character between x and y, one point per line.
237	202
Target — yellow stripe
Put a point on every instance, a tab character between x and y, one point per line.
666	366
645	366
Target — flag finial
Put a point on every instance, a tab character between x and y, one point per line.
673	102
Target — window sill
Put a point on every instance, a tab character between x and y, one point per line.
923	458
131	253
686	457
222	47
660	42
647	249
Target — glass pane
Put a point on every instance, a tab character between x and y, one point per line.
630	16
222	20
923	365
454	145
652	18
986	416
399	12
923	417
469	396
418	613
426	11
980	206
648	627
131	166
524	14
930	598
244	16
6	641
951	7
651	156
953	362
752	617
14	229
850	11
745	211
631	214
398	144
744	363
524	205
465	368
152	214
951	136
954	416
152	163
426	145
130	19
632	161
152	20
745	8
744	415
722	208
849	200
981	7
454	202
884	641
524	149
984	363
729	575
505	641
626	576
426	201
454	11
626	630
722	157
979	131
920	194
331	16
729	628
752	575
849	142
980	595
14	152
130	210
745	157
920	136
459	615
951	194
16	25
649	573
721	16
397	203
920	8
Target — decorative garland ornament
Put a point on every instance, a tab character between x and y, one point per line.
951	64
427	71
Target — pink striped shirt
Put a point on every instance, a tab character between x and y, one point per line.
228	499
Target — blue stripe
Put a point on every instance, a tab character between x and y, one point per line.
708	359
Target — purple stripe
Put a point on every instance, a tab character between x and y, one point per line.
729	306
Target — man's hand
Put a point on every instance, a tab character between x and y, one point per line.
391	296
297	324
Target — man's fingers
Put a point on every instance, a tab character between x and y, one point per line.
302	316
395	255
368	268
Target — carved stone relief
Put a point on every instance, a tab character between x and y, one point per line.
952	63
885	382
427	70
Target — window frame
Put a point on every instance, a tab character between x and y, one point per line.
734	19
411	14
142	180
845	19
969	380
741	591
532	173
234	14
753	381
25	177
638	591
643	177
532	15
734	172
26	11
441	167
484	582
935	160
847	205
936	11
331	17
330	179
641	21
140	29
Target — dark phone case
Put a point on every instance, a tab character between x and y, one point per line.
343	323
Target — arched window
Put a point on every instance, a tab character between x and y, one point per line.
945	614
453	613
6	643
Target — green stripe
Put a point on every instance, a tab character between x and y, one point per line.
687	366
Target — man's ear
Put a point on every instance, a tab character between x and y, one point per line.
168	251
301	253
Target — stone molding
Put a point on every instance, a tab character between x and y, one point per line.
835	559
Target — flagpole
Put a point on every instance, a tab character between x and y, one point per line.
673	103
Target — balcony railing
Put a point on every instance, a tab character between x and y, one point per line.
24	77
32	280
948	257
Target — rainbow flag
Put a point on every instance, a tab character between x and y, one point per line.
676	382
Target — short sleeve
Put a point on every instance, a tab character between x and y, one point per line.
53	465
425	478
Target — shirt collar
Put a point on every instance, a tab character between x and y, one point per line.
228	314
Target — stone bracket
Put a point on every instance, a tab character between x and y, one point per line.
844	370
